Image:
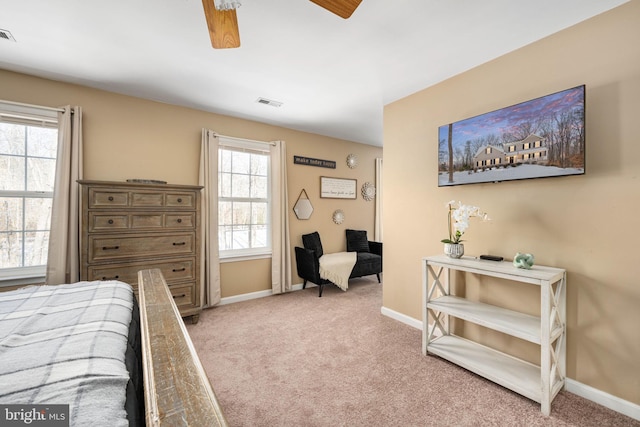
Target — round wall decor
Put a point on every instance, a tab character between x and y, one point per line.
368	191
338	216
352	161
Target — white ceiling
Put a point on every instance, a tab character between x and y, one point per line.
333	76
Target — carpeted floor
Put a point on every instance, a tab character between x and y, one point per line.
299	360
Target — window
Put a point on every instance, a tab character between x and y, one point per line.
244	200
28	147
488	150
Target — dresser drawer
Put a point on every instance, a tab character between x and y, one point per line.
141	199
185	199
121	221
133	246
172	270
99	198
101	221
105	198
146	221
184	295
180	221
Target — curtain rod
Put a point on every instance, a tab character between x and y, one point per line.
22	104
243	139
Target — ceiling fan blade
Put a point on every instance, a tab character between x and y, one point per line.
342	8
223	26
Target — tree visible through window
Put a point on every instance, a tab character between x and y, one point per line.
243	201
27	174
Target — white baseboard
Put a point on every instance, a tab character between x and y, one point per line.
403	318
245	297
256	295
607	400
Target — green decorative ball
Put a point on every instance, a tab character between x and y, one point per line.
523	260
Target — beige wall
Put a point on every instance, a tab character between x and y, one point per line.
587	224
127	137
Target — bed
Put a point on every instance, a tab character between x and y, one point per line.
92	346
75	344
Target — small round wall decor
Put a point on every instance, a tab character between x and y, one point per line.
368	191
352	161
338	216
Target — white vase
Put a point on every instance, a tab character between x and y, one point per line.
454	250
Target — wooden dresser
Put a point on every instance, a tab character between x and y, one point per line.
130	227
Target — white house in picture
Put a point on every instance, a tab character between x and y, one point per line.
529	150
488	156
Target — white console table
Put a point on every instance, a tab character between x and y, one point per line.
539	383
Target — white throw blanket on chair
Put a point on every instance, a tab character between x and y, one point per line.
337	267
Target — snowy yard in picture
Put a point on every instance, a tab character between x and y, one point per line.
503	174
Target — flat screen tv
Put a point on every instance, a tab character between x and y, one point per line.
543	137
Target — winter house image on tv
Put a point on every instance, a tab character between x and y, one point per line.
538	138
530	150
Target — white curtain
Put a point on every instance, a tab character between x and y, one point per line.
377	236
63	262
280	242
208	178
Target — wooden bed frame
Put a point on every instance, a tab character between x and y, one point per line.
177	390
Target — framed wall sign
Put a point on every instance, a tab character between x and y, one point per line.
337	188
309	161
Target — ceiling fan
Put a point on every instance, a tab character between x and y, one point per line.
223	22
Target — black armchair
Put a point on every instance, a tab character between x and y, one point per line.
369	257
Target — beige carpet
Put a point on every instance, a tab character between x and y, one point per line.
300	360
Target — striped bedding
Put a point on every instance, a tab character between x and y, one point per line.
66	344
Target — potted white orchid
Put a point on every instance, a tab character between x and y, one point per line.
458	219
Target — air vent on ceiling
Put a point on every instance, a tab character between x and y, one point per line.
266	101
6	35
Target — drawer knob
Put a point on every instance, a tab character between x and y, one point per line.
179	296
110	221
111	278
179	220
179	200
111	198
179	243
110	248
175	270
